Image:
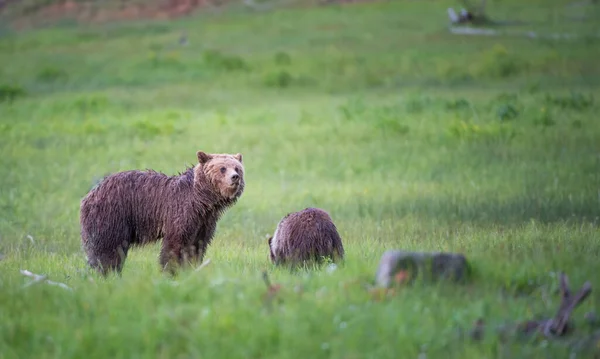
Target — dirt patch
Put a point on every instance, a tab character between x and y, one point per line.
20	14
95	12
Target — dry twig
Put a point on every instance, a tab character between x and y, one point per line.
204	264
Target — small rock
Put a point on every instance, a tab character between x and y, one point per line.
431	265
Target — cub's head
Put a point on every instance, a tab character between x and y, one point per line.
224	172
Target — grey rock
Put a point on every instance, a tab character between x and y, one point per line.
427	265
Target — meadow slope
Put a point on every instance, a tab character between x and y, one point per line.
409	136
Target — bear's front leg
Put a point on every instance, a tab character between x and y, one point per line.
178	252
170	254
200	253
202	241
193	253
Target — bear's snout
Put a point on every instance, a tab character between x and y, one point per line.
235	178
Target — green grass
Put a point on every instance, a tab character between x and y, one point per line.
412	138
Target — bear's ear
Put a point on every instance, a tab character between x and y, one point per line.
203	157
238	157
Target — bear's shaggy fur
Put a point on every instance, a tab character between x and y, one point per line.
138	207
304	237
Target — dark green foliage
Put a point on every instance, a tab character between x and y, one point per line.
9	93
575	101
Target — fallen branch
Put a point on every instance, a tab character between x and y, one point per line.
465	30
41	278
558	326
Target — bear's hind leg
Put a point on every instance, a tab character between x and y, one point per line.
106	261
105	238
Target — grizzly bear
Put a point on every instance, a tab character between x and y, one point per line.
304	237
133	208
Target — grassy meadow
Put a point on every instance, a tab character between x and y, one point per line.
409	136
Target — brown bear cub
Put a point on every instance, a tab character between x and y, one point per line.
133	208
307	236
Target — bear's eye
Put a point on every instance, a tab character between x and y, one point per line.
237	169
223	169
